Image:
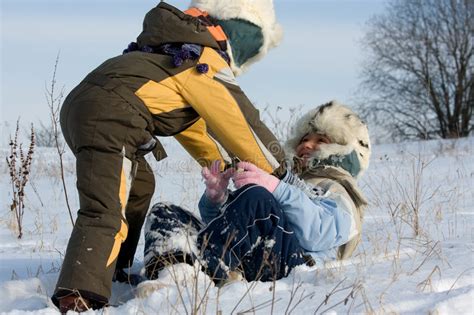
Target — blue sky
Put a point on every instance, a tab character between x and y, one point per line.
318	59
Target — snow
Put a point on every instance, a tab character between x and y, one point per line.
400	267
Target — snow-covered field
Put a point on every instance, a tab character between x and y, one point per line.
400	267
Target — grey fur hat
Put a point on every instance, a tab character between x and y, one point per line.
347	132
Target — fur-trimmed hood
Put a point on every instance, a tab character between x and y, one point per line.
258	12
347	132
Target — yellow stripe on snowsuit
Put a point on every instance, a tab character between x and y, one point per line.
199	144
220	110
163	97
119	238
124	191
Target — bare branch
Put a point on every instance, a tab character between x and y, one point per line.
54	100
419	69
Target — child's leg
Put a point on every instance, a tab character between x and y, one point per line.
103	133
170	237
100	227
137	207
251	234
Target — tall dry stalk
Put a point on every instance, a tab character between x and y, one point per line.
54	100
19	165
414	194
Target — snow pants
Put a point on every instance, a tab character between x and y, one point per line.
115	186
251	235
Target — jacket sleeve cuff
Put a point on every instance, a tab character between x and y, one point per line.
280	190
209	209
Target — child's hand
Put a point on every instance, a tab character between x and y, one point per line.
216	181
253	175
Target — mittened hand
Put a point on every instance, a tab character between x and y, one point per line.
253	175
216	181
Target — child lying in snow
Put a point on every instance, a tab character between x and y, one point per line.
308	211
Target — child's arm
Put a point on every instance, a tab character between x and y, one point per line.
234	121
208	209
321	223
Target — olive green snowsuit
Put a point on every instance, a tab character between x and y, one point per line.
109	121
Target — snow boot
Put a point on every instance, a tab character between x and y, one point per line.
73	303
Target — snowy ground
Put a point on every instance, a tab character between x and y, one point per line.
393	271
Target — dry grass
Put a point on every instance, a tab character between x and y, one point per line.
19	165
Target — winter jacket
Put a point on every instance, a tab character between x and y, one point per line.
325	211
197	100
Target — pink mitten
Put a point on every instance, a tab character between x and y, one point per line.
216	181
253	175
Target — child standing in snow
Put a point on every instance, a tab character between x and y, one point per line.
308	211
177	79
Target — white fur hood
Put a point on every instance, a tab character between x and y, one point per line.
341	125
258	12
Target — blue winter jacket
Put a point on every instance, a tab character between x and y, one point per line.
321	220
